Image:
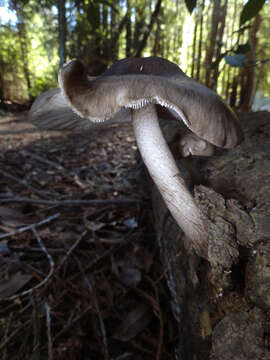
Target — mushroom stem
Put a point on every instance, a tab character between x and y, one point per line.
165	174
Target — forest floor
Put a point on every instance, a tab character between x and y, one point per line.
80	275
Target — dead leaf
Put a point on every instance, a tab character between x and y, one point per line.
126	271
12	285
13	218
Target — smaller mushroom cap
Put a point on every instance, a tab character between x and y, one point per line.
190	144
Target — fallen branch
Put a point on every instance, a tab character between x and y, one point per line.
118	201
69	325
47	278
42	160
22	182
30	227
49	331
71	250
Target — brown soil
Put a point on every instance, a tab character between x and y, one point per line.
80	275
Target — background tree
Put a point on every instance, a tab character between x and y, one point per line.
62	31
223	43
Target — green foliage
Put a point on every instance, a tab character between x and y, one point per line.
102	31
250	10
10	63
237	60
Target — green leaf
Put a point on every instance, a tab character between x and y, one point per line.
250	10
236	60
190	4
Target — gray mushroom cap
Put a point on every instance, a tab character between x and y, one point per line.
134	82
190	144
50	111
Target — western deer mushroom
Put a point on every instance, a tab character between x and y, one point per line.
142	86
189	144
50	111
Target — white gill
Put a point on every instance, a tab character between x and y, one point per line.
138	104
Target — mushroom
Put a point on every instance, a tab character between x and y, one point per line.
184	146
143	86
50	111
190	144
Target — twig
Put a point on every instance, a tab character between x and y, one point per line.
49	332
161	321
97	308
69	325
70	250
126	355
44	281
23	183
30	227
93	262
118	201
44	249
100	319
6	341
5	337
45	161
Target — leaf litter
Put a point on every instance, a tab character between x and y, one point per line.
80	275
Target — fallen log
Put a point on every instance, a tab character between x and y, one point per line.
222	305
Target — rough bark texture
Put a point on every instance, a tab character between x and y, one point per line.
62	31
153	19
222	309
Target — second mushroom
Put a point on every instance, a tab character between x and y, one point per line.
143	85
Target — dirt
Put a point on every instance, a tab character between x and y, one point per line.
79	268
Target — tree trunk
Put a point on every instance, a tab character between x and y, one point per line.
128	30
217	307
248	72
194	59
149	29
223	14
105	19
62	31
198	73
115	37
19	8
212	42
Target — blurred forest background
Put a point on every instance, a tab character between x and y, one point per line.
222	43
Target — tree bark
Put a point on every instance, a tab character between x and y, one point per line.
194	60
62	31
223	14
198	73
128	30
19	8
158	48
149	29
212	42
218	307
248	72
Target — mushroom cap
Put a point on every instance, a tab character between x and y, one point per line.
135	82
50	111
191	144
